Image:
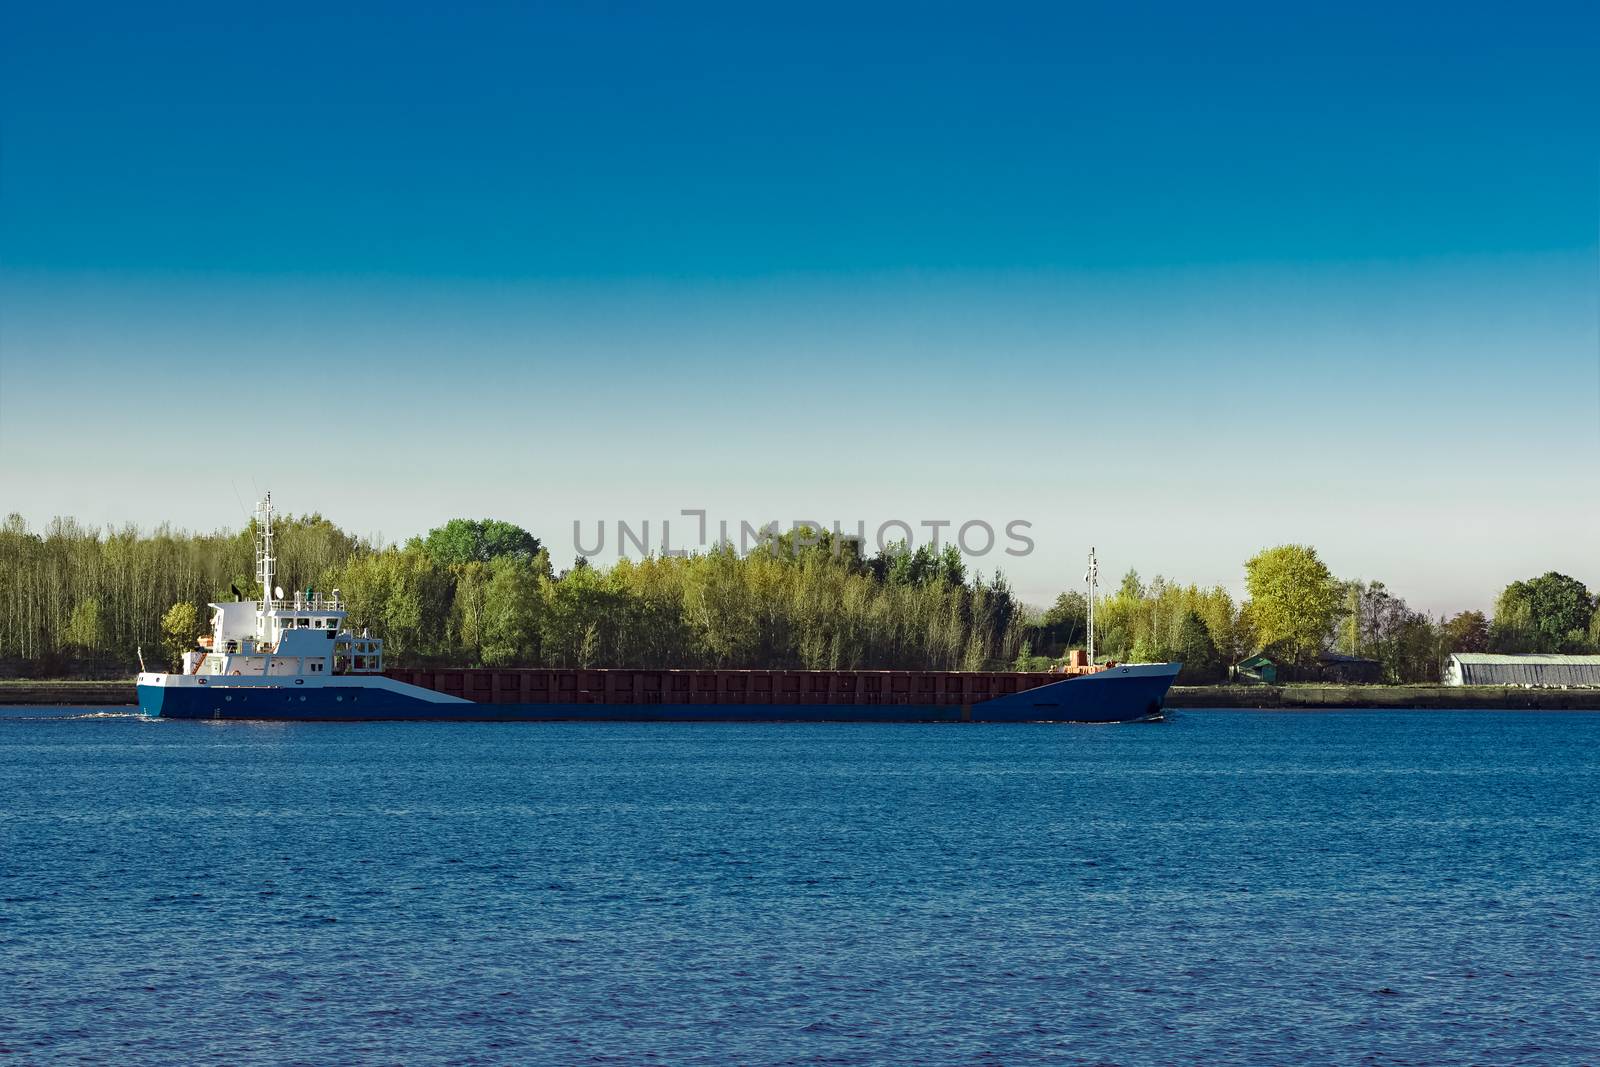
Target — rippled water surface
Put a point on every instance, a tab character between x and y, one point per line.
1229	887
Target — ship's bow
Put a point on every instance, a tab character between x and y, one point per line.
151	689
1134	692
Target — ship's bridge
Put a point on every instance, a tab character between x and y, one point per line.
303	634
306	611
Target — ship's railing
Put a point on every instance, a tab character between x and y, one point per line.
316	602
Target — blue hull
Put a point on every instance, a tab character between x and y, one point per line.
1101	700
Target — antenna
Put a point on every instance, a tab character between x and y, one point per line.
266	562
1092	576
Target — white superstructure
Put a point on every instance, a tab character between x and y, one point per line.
288	636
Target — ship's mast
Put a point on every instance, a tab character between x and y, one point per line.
266	562
1092	577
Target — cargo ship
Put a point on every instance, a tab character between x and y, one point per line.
293	658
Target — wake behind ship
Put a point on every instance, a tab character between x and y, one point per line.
293	659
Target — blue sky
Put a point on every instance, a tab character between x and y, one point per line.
1179	284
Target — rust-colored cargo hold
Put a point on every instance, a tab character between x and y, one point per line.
624	686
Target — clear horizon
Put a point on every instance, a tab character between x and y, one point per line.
1179	294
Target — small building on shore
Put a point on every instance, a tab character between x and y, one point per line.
1345	670
1257	670
1529	670
1335	667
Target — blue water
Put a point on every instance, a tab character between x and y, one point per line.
1229	887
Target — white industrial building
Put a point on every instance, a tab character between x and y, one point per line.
1532	670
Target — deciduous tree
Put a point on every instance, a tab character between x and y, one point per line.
1201	663
1550	613
179	628
478	541
1467	631
1294	599
511	613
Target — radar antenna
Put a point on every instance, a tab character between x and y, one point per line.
266	562
1092	578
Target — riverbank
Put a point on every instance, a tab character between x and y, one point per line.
1434	697
72	693
79	693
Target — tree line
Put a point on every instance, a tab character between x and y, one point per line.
483	592
75	599
1297	608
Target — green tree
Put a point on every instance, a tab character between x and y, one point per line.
1413	651
1027	661
804	541
1051	633
179	627
589	647
581	620
1350	634
467	608
1467	631
511	613
1512	629
727	618
1224	625
404	597
1380	625
818	608
86	628
1070	612
1551	613
1294	599
1198	653
462	541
